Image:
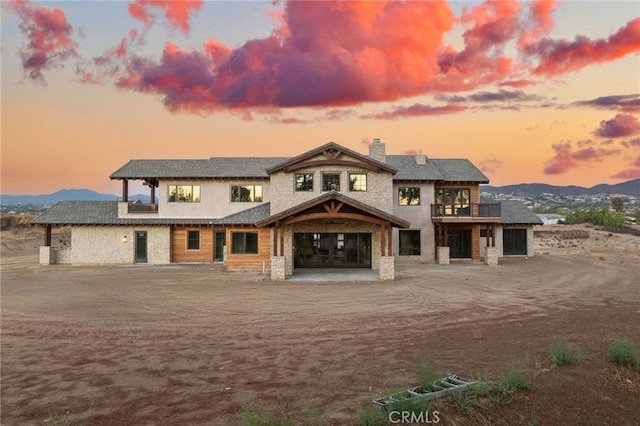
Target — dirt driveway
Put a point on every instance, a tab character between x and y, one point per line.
197	345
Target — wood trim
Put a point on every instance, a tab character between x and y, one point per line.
345	163
315	216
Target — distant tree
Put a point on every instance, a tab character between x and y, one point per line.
637	216
618	204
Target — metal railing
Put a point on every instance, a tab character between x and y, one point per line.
471	210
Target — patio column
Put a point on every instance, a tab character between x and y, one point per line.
47	236
153	193
125	190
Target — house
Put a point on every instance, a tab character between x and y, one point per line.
328	207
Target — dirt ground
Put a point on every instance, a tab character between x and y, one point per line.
193	344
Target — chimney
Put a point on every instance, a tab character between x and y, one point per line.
420	157
376	151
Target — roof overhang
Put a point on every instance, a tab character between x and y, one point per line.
333	205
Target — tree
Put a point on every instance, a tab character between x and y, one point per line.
618	204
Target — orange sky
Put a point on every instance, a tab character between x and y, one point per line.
567	122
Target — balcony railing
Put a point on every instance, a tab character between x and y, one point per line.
473	210
142	208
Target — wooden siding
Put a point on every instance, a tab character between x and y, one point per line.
179	252
475	243
250	261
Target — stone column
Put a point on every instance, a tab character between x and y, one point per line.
387	268
491	256
277	268
47	255
443	255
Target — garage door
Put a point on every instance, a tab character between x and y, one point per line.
514	242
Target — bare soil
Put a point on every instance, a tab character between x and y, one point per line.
193	344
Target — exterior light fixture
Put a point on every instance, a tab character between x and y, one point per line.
124	239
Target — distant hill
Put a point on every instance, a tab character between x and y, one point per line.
65	195
631	187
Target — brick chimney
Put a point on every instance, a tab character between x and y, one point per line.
377	151
420	157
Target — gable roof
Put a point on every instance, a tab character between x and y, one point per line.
340	198
247	217
332	152
514	212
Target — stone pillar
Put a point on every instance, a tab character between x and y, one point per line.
123	209
277	268
443	255
491	256
47	255
387	268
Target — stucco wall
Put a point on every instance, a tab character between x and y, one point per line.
419	217
500	242
104	245
215	198
284	196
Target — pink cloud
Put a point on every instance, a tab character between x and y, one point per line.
176	12
49	34
540	21
628	174
416	110
517	83
562	56
620	126
562	160
490	165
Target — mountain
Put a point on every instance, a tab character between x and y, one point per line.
631	187
65	195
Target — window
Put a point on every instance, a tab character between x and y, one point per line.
409	196
184	193
331	181
453	201
357	182
244	242
484	233
193	240
246	193
409	243
304	182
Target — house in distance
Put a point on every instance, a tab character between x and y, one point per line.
330	207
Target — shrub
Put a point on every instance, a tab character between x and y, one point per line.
624	352
560	353
516	380
256	415
426	372
603	217
371	416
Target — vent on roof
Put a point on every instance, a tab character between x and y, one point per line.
420	157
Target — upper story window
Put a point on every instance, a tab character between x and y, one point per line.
357	182
331	181
454	201
246	193
184	193
304	182
409	196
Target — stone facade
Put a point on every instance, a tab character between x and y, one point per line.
491	255
387	268
47	255
443	255
105	245
278	268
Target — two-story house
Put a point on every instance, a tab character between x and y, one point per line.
328	207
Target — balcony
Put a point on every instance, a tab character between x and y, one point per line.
474	213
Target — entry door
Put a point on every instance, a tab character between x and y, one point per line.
141	246
459	243
332	250
220	243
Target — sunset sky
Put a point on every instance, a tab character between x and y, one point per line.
545	91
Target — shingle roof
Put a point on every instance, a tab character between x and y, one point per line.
247	217
215	167
104	213
514	212
436	169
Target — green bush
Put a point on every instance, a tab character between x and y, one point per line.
426	372
256	415
624	352
602	217
515	379
560	353
371	415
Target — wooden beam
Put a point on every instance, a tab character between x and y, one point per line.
314	216
275	240
281	240
47	236
383	233
125	190
307	164
389	239
153	194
